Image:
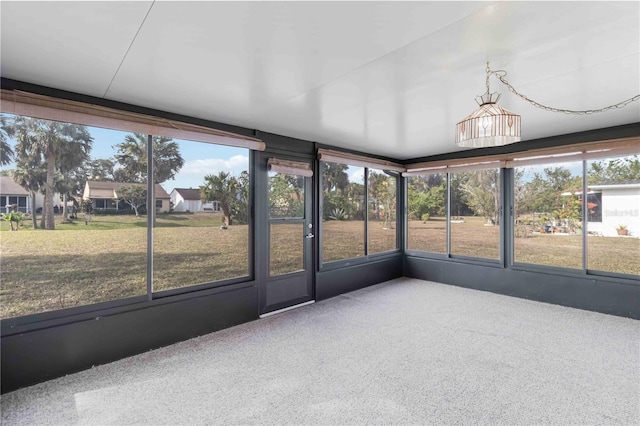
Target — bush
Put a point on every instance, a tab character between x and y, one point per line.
425	217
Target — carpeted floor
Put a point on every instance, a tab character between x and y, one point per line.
402	352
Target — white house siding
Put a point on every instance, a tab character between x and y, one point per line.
620	206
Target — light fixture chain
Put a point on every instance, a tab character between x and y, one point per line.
501	74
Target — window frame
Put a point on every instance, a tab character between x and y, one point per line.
25	322
366	257
601	149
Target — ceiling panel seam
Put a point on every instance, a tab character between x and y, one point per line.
133	40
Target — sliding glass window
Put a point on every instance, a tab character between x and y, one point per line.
548	214
475	213
343	211
80	236
75	205
382	211
201	231
613	214
427	213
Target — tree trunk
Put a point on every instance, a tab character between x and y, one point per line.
65	213
42	214
49	190
226	212
34	219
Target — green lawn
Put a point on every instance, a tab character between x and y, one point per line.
79	264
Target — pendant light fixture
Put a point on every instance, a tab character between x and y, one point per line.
490	124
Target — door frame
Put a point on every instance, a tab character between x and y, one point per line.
273	291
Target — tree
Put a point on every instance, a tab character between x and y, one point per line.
376	183
71	159
543	193
286	195
223	188
46	142
134	195
482	193
240	208
132	156
102	169
31	175
13	217
614	170
427	195
334	176
6	152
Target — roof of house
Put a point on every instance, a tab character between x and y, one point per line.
97	185
188	193
621	184
9	187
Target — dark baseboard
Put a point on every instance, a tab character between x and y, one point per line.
609	296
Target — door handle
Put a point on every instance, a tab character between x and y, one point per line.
309	235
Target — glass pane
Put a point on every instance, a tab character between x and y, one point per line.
286	195
96	246
475	213
427	213
613	212
382	211
343	211
286	248
548	214
201	233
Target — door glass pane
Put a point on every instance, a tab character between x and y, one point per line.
286	248
286	195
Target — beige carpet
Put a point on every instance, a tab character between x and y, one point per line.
402	352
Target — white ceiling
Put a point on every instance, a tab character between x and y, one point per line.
389	78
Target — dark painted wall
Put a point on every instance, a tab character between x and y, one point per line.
619	297
337	281
50	352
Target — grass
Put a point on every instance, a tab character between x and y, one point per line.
104	260
473	238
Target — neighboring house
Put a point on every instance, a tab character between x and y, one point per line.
613	204
14	197
188	200
104	194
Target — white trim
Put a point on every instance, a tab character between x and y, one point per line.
615	186
279	311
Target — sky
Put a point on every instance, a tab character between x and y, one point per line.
200	158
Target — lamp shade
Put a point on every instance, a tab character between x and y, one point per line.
489	125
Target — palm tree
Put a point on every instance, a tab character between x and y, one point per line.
132	156
6	152
222	188
70	158
49	142
31	176
334	176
